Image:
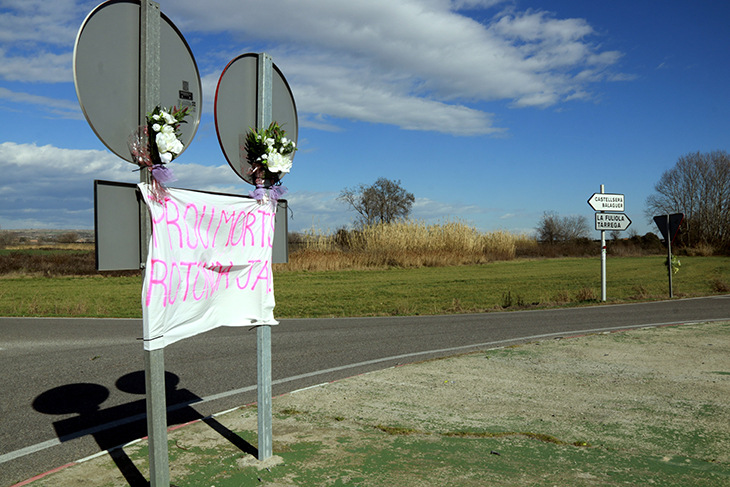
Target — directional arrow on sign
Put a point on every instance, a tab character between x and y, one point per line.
607	202
612	221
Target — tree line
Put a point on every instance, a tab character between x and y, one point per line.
698	186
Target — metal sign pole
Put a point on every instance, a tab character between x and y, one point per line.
263	333
603	261
149	98
669	257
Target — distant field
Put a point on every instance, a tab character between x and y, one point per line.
515	284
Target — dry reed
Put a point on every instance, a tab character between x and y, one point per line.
405	243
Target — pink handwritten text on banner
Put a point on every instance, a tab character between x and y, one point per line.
209	265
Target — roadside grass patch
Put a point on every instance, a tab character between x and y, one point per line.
397	430
585	294
291	412
720	286
512	285
506	434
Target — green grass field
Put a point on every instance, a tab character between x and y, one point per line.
417	291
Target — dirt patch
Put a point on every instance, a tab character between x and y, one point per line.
621	390
643	406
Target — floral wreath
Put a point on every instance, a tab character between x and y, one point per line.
153	153
269	154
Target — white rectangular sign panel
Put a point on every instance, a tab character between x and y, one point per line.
209	264
612	221
607	202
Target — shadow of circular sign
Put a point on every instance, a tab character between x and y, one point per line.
79	398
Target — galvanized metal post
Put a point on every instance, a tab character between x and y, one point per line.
263	333
263	355
265	87
603	261
149	98
669	257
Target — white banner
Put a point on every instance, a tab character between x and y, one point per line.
209	265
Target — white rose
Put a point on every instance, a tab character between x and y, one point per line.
279	163
176	147
169	118
270	142
165	157
168	129
164	141
156	127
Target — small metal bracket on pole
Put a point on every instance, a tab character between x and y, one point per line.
149	98
263	333
603	259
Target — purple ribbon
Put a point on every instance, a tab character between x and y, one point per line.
259	194
163	174
275	192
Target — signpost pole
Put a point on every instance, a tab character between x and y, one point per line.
669	257
149	97
263	333
603	260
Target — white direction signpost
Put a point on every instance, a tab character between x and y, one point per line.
606	202
612	221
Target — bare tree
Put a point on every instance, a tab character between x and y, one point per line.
7	238
698	186
552	228
382	202
68	237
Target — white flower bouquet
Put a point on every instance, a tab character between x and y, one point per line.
166	127
158	143
269	153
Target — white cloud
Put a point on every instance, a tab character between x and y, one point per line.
339	92
42	67
208	85
416	64
41	21
52	187
37	38
316	210
62	108
48	187
433	210
413	63
322	212
475	4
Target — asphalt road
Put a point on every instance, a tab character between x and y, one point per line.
73	387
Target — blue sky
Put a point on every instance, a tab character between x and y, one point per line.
488	111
